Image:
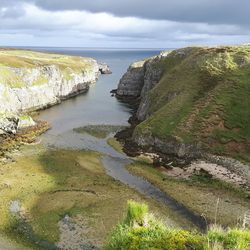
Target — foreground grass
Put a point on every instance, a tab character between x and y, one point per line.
198	195
140	230
52	184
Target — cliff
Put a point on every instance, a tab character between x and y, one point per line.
193	99
32	80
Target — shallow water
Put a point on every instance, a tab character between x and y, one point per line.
94	107
98	107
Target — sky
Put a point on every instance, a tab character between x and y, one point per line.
124	23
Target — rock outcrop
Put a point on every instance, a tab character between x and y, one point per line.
189	101
55	89
132	81
8	124
32	80
104	68
139	79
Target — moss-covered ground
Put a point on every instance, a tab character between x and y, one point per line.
50	184
99	131
199	194
115	144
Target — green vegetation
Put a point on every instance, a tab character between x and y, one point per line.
12	60
56	183
116	145
199	194
203	96
99	131
140	230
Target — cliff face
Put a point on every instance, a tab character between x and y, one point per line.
194	99
32	80
139	79
132	81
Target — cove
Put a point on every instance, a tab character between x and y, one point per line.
97	107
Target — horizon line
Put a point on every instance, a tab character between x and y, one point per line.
76	47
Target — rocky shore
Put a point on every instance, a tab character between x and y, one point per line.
179	114
32	80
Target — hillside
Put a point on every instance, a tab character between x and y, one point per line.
11	59
32	80
195	98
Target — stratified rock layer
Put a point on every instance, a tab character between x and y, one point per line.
33	80
132	81
139	79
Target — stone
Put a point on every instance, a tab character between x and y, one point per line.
139	79
104	68
25	121
32	95
8	123
132	81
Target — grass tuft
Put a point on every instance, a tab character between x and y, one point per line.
154	235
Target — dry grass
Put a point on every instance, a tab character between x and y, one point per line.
197	195
12	60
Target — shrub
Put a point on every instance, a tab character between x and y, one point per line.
238	239
141	231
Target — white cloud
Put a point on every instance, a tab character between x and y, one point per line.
36	26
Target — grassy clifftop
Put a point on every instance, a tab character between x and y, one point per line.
203	96
11	60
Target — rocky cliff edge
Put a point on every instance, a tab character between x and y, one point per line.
32	80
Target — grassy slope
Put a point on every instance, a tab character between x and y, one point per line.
27	60
204	96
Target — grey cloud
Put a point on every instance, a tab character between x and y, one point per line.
176	21
12	12
11	9
209	11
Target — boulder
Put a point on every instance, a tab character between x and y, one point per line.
104	68
8	124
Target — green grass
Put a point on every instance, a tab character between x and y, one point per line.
136	213
199	193
59	182
116	145
153	234
203	96
27	60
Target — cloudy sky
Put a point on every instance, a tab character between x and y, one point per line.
123	23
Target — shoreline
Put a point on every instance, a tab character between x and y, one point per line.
170	161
